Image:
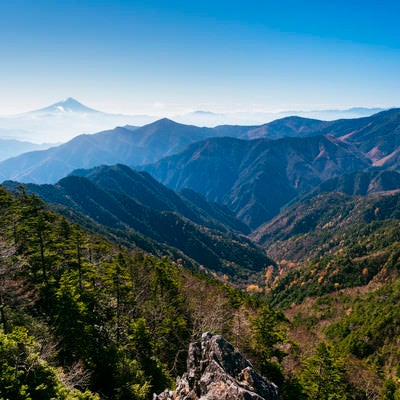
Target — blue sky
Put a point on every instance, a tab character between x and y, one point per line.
166	57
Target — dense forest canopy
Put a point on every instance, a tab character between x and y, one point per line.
84	318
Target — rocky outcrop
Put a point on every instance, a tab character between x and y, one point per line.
216	371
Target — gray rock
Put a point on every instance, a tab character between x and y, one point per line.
216	371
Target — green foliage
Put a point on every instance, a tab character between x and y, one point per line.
157	220
323	375
269	349
71	319
269	332
364	252
24	375
371	328
122	317
117	322
390	391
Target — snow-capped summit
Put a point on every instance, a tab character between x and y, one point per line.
61	121
69	105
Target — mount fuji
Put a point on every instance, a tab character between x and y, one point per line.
69	105
62	121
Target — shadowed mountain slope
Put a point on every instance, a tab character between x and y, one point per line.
134	208
146	190
256	178
359	183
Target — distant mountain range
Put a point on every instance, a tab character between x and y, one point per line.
137	146
206	118
256	178
127	145
12	148
63	120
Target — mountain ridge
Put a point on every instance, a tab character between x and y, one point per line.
256	178
131	206
165	137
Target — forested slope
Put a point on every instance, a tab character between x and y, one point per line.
89	319
133	209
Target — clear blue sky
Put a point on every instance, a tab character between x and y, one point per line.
171	56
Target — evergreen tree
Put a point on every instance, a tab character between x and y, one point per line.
323	375
269	334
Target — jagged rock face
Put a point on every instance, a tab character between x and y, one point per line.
216	371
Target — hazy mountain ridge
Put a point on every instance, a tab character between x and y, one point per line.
68	118
253	178
147	144
207	118
126	145
12	148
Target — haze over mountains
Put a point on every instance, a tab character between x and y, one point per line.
126	145
207	118
12	148
63	120
165	137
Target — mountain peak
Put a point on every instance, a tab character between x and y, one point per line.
164	122
67	105
71	102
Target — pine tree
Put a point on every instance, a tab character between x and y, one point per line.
323	375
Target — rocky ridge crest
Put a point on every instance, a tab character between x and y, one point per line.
216	371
